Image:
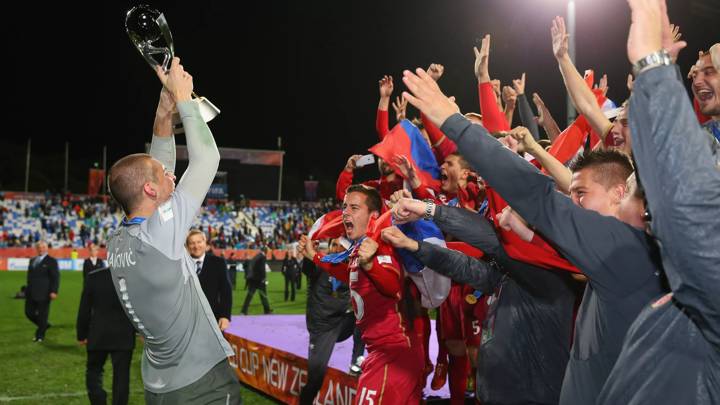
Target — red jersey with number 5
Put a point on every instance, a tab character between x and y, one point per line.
376	301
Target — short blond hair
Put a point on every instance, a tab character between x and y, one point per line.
194	232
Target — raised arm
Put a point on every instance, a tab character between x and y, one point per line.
509	97
545	119
493	118
345	178
527	118
162	146
554	167
679	173
382	122
574	230
203	155
582	96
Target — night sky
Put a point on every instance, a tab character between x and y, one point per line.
303	71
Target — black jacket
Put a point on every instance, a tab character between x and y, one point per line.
290	268
88	266
216	285
528	329
325	308
42	279
101	319
256	268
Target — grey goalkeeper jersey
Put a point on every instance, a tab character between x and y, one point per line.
155	278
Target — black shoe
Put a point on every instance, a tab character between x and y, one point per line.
268	312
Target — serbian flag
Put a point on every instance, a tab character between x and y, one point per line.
328	226
538	252
405	139
434	288
569	142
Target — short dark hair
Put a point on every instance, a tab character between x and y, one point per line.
461	160
610	167
372	196
127	177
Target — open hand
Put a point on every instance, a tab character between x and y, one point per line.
386	86
427	97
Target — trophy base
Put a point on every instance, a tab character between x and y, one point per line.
208	111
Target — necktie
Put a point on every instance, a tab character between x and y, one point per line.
198	266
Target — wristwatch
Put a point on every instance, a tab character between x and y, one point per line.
655	59
429	209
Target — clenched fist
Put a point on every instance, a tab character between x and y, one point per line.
366	253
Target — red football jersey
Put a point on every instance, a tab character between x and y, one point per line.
378	315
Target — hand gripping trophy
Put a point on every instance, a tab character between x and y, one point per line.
149	32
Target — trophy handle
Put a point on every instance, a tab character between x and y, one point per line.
208	111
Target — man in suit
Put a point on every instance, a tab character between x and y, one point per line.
255	278
104	329
92	262
290	270
212	273
43	281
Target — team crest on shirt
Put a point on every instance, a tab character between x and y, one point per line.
384	259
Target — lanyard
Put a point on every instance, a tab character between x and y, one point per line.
134	221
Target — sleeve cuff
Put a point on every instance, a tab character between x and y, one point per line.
657	75
188	109
452	126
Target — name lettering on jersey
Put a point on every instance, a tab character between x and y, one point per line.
165	211
119	260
